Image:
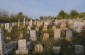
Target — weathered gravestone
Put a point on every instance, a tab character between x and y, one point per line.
56	49
28	27
56	22
68	34
22	47
31	23
79	49
7	26
45	27
53	27
38	48
37	28
46	23
63	24
45	36
57	33
13	24
33	35
24	22
77	26
38	23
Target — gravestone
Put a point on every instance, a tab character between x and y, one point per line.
18	23
7	26
45	27
57	33
63	24
55	23
24	22
68	34
2	43
38	48
37	28
79	49
56	49
10	29
31	23
45	36
79	27
38	23
33	35
28	27
53	27
46	23
22	47
13	24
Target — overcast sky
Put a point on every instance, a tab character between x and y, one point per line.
37	8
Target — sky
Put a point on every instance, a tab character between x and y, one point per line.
37	8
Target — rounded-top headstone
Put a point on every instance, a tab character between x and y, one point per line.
38	48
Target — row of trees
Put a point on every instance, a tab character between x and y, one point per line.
6	17
73	14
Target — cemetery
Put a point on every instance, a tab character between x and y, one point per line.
35	39
44	36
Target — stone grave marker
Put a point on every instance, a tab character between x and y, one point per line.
22	47
56	49
57	33
68	33
33	35
31	23
79	49
7	26
38	48
24	22
45	36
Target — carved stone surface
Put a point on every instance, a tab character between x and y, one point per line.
33	35
22	47
57	33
